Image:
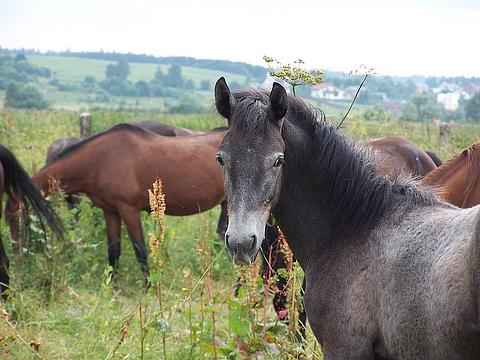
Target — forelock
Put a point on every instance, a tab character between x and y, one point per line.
251	111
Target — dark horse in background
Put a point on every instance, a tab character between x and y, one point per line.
398	154
15	182
391	271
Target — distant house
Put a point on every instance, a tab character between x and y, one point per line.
329	92
449	100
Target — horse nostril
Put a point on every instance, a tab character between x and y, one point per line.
254	242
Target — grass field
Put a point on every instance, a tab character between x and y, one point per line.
63	302
73	69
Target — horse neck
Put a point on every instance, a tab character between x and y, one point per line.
453	179
315	183
68	171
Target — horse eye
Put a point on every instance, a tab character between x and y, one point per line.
279	162
220	160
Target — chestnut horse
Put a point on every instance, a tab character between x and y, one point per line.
15	182
59	145
115	168
459	178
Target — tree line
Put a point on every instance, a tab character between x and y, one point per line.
17	78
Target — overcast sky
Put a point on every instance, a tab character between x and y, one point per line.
402	37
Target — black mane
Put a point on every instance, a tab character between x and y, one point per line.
352	191
73	148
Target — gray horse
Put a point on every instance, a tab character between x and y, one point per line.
391	272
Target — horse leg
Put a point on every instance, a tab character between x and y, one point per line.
4	278
11	209
131	218
113	225
222	222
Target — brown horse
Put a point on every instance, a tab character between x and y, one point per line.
60	145
15	182
115	168
459	178
401	155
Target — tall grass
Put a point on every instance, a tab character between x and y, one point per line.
66	305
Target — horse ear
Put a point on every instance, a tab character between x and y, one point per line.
224	100
278	101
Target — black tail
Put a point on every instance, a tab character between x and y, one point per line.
435	158
19	184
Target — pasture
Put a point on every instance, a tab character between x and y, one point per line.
74	69
64	303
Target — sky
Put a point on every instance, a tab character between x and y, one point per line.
405	37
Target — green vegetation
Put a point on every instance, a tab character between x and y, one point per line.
74	69
472	107
17	69
63	299
80	83
129	82
422	107
295	75
24	97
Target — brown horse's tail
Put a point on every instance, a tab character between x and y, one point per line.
434	158
19	186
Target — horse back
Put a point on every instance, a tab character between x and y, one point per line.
401	154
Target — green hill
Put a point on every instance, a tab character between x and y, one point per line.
74	69
65	89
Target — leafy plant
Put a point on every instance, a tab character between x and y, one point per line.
295	75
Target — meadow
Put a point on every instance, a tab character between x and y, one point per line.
74	70
64	305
